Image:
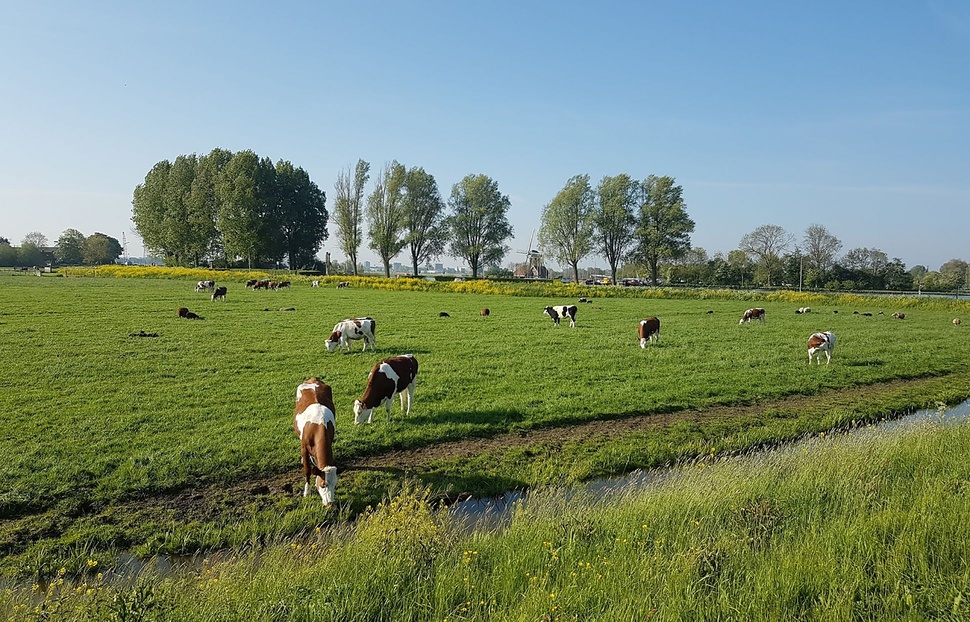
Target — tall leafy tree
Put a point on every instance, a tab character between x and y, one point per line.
202	205
478	222
100	249
348	209
9	256
425	231
664	228
765	246
240	208
301	213
70	248
386	214
149	207
36	238
566	230
820	248
614	219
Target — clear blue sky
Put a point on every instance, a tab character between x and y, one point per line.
853	115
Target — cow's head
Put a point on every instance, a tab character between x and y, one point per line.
333	341
361	412
327	485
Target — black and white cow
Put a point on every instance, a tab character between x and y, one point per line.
219	294
562	311
205	285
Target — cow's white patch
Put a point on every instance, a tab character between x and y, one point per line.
303	387
315	413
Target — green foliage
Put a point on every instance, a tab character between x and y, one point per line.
70	248
348	209
663	228
614	217
101	249
567	226
478	222
223	206
426	233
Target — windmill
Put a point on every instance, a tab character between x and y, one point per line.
533	260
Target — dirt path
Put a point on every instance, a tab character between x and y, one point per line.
212	502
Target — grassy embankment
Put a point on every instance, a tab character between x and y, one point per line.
100	426
869	527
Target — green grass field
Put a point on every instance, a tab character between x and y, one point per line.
97	421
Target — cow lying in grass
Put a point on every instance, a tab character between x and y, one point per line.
314	421
186	314
396	374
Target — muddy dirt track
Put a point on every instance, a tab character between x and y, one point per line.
209	503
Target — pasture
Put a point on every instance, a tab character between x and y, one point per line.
113	440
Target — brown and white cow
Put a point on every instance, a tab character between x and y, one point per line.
562	311
396	374
753	314
485	312
819	343
219	294
314	421
649	330
353	329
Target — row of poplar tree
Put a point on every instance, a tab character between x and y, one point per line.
229	207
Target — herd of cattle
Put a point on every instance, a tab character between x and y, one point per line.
314	419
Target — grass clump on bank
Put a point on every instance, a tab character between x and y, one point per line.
868	526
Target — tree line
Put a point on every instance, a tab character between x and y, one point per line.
232	208
623	219
771	256
73	248
227	208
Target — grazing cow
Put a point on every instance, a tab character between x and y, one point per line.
956	321
261	284
484	312
314	421
649	330
803	310
753	314
561	311
343	284
282	284
821	342
351	330
314	283
392	375
219	294
205	285
251	282
899	316
186	314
